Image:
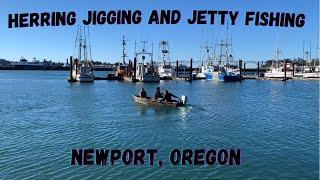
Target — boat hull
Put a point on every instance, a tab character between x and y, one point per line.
228	78
85	78
153	102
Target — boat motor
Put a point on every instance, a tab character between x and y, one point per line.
183	99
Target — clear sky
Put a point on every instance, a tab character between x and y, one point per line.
249	42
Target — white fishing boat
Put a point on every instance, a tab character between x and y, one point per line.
277	69
86	72
83	67
206	70
165	70
145	71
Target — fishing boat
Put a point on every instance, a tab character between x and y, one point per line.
152	102
86	72
183	71
206	70
165	70
145	71
228	75
277	70
83	67
227	72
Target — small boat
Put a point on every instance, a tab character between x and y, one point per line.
152	102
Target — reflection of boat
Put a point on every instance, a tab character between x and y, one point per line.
153	102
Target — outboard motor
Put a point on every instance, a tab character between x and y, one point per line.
183	99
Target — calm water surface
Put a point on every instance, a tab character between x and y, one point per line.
43	117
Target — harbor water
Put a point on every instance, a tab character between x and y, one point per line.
43	117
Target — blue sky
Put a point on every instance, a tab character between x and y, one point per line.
249	42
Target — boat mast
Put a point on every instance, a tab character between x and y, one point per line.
277	52
227	41
85	54
89	44
124	55
80	43
164	48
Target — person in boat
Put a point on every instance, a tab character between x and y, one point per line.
143	93
158	94
167	97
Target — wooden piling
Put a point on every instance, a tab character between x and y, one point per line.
76	61
244	69
190	69
292	70
177	69
134	69
258	69
130	68
285	70
240	69
71	68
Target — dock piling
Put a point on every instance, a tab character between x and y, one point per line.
191	70
71	68
292	70
240	69
134	68
258	69
177	69
285	70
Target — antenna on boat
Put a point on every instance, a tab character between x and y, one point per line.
310	57
303	53
89	44
80	43
277	51
135	48
152	54
144	45
75	42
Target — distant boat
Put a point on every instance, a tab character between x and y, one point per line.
86	72
183	71
228	75
227	72
145	72
277	69
84	67
165	69
206	72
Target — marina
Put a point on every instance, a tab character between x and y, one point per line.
48	120
159	89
